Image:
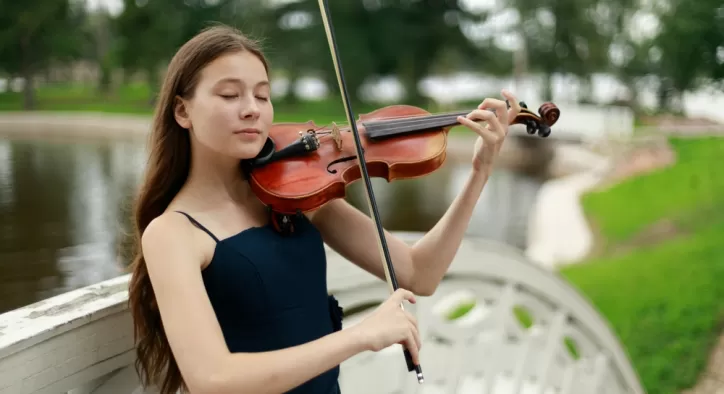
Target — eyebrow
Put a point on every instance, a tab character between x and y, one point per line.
239	81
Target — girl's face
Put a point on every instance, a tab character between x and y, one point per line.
231	111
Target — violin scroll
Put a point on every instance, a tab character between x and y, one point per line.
548	114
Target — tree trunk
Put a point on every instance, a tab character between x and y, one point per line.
585	95
548	86
664	95
153	80
291	97
410	79
104	77
520	66
104	63
29	102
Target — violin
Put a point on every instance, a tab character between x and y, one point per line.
299	170
303	166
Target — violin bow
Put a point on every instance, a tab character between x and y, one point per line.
382	242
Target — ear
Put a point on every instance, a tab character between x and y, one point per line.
180	113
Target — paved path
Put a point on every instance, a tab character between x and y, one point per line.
76	124
558	232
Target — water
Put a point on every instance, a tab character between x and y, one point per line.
64	211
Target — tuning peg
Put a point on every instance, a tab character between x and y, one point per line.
544	131
531	127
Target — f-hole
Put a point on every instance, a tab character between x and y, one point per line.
341	160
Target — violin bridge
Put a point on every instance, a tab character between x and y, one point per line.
336	136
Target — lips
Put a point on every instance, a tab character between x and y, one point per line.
248	130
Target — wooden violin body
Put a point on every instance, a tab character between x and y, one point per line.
303	166
306	182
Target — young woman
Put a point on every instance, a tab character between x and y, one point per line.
221	301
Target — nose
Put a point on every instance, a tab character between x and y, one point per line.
251	109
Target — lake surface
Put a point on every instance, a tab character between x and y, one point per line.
64	211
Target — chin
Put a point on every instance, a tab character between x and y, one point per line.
248	151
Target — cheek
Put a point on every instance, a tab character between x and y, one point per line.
218	114
268	114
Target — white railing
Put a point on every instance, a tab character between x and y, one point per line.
81	342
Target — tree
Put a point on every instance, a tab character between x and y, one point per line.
38	33
691	43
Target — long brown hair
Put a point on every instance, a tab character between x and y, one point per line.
166	172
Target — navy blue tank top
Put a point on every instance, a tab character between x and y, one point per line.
269	292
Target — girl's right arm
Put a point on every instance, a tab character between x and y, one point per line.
197	341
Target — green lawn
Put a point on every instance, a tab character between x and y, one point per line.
662	297
135	99
61	97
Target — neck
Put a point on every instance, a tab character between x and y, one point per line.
215	179
384	128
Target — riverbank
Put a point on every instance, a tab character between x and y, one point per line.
657	264
50	124
555	213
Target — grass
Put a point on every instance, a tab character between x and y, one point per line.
663	299
134	99
678	193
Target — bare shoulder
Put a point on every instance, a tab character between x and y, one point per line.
170	239
174	251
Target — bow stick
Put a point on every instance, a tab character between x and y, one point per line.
382	243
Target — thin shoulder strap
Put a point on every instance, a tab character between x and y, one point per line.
197	224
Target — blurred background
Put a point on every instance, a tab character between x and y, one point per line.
624	200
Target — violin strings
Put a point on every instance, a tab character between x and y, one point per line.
409	117
387	126
413	118
403	123
407	125
416	120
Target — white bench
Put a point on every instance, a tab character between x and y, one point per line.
81	342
